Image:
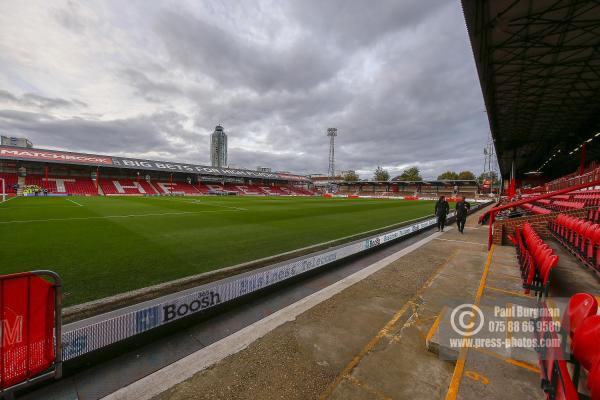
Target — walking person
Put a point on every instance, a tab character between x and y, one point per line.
441	210
462	208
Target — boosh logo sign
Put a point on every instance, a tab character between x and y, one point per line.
203	300
11	329
146	319
372	242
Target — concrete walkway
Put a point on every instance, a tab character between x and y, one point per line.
368	341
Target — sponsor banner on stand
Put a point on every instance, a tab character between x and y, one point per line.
30	154
53	156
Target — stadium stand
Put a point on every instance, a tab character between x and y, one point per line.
209	188
126	187
175	187
9	181
64	184
302	191
247	190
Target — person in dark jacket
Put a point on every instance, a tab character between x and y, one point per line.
441	210
462	208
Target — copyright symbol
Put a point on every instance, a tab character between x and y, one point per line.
467	319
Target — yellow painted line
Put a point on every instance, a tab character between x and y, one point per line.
512	361
368	388
383	332
433	328
476	376
504	275
495	289
462	357
508	320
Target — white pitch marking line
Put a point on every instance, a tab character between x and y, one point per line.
169	376
9	199
74	202
110	216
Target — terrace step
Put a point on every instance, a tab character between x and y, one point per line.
21	182
487	366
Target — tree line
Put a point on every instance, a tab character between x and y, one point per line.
414	174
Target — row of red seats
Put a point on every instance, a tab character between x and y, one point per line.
175	187
252	189
535	209
590	198
591	174
561	205
594	215
580	237
564	205
9	181
64	184
127	186
580	332
536	260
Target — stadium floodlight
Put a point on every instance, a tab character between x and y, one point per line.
331	133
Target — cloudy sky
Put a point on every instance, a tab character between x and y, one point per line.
151	79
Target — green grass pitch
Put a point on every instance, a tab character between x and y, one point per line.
106	245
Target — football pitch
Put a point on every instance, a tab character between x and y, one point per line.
101	246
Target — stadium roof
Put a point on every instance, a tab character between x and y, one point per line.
539	68
94	160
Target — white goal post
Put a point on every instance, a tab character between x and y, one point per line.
3	187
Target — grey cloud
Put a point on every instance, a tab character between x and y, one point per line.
360	23
396	77
38	101
231	60
139	135
150	89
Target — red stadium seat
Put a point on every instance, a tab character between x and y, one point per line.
581	306
580	237
536	260
556	380
586	342
593	381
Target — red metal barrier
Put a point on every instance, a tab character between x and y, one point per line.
30	324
